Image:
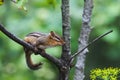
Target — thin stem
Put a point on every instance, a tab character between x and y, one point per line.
96	39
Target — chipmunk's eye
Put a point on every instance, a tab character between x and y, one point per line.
57	38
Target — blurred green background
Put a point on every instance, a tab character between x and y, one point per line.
45	16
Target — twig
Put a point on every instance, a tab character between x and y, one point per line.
28	46
74	55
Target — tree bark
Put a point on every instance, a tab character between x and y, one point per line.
83	40
66	52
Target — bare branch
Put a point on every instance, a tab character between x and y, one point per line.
66	52
66	28
96	39
28	46
83	39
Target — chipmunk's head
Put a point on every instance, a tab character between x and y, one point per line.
55	40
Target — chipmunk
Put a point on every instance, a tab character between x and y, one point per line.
41	41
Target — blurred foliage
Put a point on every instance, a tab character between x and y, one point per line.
21	4
105	74
1	2
45	16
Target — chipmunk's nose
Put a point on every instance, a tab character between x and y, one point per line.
63	42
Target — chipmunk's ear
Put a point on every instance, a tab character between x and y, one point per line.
52	33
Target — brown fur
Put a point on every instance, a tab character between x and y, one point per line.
41	41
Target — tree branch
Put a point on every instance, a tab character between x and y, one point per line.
66	52
56	61
83	39
66	28
93	41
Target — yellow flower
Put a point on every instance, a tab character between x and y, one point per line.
104	74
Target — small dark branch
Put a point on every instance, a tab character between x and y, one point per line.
30	47
96	39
